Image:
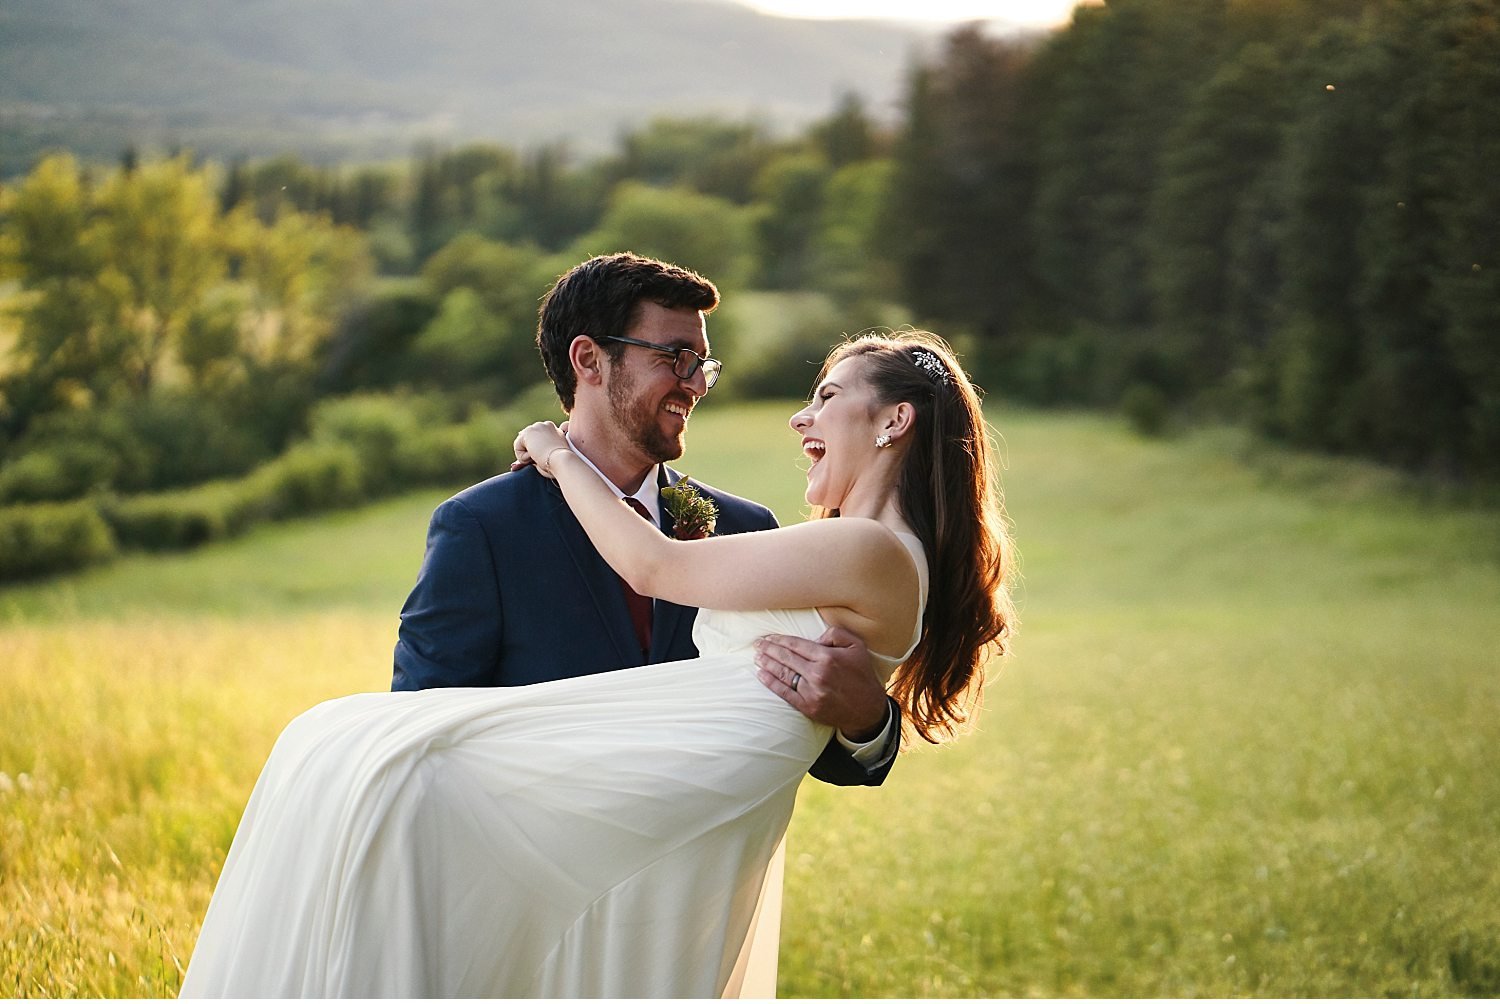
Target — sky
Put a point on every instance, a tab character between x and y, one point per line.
1039	13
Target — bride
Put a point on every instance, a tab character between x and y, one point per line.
608	835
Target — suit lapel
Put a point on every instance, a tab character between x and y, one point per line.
668	619
602	582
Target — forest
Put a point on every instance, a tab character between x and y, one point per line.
1277	213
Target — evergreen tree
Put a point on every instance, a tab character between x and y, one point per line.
1229	135
961	186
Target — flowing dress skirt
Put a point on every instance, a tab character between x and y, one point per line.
607	836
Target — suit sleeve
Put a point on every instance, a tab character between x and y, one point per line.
451	625
836	765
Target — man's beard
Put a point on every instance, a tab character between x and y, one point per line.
641	427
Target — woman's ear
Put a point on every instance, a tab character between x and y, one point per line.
587	360
898	420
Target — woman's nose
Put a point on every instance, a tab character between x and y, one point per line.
799	421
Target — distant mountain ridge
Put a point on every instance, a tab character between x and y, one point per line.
365	77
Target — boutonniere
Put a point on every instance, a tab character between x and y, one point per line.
693	513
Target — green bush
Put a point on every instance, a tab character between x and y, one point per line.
371	341
377	427
1145	408
57	472
191	439
788	368
474	450
38	539
1057	370
170	440
175	520
308	478
405	441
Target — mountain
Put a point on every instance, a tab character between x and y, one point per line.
366	78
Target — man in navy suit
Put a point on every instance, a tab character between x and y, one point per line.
511	590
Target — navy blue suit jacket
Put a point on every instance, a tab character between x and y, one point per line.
513	592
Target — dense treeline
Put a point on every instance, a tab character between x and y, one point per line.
1282	210
178	334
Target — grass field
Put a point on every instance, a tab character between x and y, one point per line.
1247	745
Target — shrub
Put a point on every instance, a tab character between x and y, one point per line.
183	519
470	451
38	539
376	427
369	346
790	367
1146	408
57	472
308	478
191	440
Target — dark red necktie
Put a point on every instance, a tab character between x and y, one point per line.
640	606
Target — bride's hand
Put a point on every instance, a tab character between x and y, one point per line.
536	443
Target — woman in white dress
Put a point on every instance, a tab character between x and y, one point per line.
608	836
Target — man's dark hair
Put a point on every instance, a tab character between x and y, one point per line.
602	298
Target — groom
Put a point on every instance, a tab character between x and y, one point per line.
512	592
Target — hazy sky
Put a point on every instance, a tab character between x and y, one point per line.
1029	12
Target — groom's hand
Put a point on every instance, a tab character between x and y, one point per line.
835	681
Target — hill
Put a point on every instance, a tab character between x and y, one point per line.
331	78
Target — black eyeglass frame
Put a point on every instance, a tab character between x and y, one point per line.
710	376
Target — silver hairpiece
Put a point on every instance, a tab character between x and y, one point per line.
931	365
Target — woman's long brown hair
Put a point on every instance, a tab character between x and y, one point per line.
949	493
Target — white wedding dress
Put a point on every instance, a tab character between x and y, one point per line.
604	836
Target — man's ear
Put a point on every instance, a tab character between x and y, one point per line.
587	360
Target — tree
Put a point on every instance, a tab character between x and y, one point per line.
1229	135
1108	92
847	136
961	187
697	231
850	250
1334	151
715	158
1462	90
162	253
789	202
70	348
486	326
300	271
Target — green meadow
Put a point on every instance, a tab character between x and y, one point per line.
1246	745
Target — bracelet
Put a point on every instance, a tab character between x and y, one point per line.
547	460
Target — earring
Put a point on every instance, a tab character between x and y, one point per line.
882	441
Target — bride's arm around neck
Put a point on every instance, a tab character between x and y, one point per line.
855	571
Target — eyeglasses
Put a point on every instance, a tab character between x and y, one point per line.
685	362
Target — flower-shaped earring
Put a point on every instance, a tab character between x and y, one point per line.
882	441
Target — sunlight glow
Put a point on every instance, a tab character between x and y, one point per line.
1032	13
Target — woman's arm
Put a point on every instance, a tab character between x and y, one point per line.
855	570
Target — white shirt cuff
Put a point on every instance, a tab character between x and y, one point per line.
877	751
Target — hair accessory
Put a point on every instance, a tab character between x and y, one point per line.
931	365
882	441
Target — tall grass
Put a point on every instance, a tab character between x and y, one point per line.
1246	745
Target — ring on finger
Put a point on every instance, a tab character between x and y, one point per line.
796	679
